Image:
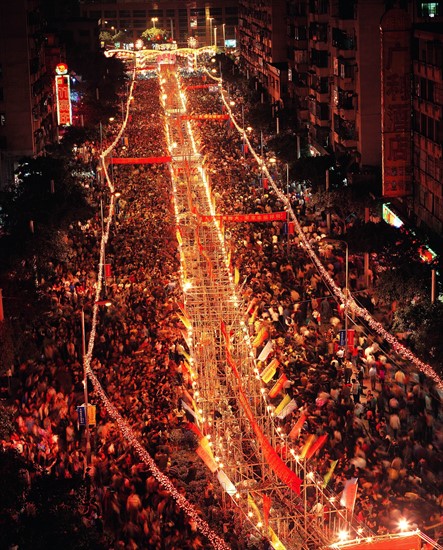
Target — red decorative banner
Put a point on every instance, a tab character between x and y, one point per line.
204	117
278	386
401	542
146	160
316	446
197	86
271	456
271	217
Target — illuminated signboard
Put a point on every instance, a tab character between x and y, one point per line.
230	43
63	95
391	218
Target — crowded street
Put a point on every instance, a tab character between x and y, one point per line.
186	378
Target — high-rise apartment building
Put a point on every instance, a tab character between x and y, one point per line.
357	73
27	121
427	93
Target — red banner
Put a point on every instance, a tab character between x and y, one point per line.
204	117
146	160
197	86
271	217
271	456
401	542
108	270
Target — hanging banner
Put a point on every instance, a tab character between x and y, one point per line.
204	117
316	446
196	86
278	386
271	217
226	483
108	270
398	542
295	432
147	160
349	494
207	459
287	409
396	98
286	399
266	350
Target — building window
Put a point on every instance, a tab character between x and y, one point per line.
124	13
140	13
110	13
429	9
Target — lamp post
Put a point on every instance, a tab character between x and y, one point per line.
210	19
154	21
224	36
215	36
346	304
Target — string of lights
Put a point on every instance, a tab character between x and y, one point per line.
399	348
126	431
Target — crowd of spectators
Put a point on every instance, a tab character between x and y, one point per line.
382	417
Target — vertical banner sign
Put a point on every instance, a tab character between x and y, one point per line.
396	103
63	95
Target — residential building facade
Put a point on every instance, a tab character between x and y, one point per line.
27	118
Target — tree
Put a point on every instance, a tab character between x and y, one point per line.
154	34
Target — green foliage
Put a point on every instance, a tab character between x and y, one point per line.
404	284
106	37
122	37
154	34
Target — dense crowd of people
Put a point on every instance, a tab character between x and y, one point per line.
381	417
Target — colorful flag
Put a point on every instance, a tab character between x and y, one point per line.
349	494
269	371
266	351
329	473
286	399
278	386
316	446
226	483
306	446
287	409
295	432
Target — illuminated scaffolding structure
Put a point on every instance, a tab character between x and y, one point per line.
216	323
231	409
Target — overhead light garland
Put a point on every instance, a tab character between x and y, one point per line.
399	348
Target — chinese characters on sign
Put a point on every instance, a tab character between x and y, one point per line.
396	104
63	94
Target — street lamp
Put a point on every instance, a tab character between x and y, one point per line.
210	19
215	36
224	35
154	21
329	239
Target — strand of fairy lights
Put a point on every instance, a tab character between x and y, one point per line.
125	429
360	311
